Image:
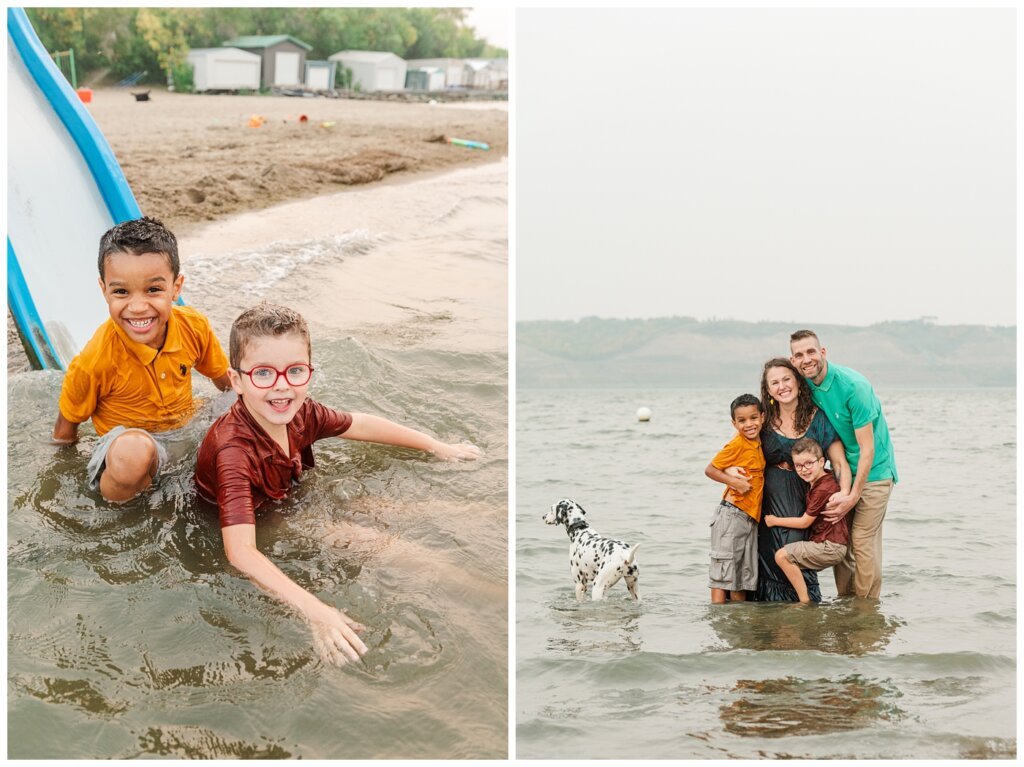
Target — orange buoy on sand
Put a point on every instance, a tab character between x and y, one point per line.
256	121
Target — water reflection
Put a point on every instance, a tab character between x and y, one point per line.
199	743
244	667
589	627
778	708
845	627
116	543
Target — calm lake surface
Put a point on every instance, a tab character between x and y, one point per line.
129	635
929	671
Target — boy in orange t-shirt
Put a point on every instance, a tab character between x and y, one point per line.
734	525
134	376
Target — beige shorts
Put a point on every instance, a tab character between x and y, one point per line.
809	555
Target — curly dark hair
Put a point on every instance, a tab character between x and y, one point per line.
139	236
744	400
804	402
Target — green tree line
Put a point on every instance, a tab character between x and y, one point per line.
123	41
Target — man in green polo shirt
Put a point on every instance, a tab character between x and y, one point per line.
849	402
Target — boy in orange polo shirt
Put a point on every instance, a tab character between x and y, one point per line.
734	526
133	378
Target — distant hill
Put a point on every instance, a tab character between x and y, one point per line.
682	351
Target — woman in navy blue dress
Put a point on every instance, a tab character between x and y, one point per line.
790	414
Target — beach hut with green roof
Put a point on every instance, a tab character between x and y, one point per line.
284	58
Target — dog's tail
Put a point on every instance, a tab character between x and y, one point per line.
632	553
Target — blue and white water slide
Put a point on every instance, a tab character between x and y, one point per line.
64	190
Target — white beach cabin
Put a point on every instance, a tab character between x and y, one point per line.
424	79
486	74
373	70
224	69
320	75
452	69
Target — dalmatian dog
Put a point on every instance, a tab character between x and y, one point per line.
593	558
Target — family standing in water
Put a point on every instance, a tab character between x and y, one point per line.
785	515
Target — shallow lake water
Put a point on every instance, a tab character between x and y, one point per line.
928	671
129	634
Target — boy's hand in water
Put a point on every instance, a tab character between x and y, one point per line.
372	428
334	636
456	452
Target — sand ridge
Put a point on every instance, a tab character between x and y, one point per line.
192	158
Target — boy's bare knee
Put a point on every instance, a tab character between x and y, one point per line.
781	557
132	459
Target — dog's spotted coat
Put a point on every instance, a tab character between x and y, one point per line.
594	559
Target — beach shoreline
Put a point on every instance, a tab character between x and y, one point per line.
251	228
193	160
390	265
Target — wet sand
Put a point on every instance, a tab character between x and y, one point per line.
389	266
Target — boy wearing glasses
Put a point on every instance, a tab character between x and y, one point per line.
259	448
828	541
134	376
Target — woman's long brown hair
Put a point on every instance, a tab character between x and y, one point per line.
804	402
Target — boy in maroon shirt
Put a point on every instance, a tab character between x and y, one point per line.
829	540
257	450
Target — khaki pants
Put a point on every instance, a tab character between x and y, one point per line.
861	572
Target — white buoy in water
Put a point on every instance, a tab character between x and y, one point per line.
643	414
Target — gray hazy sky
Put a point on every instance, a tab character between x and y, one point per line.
813	165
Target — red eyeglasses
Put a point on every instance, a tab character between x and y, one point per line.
266	377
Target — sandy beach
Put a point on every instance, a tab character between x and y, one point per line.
194	159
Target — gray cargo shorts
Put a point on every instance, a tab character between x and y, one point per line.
98	461
733	549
